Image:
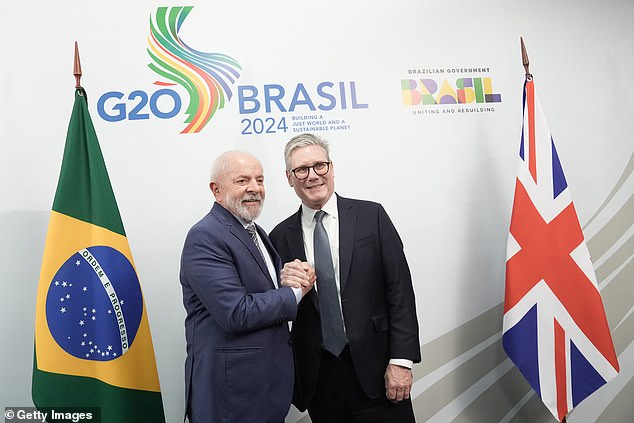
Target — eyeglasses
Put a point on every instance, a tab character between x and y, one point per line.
320	168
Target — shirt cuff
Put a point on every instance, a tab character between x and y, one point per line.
298	294
403	362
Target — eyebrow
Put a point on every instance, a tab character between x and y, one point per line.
312	164
247	177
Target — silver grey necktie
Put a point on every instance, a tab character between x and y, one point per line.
332	331
251	230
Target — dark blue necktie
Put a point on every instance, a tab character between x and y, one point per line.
332	332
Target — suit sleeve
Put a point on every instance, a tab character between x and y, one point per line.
404	341
230	285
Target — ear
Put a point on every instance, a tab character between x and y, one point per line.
215	189
289	178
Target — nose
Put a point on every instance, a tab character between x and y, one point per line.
312	174
253	186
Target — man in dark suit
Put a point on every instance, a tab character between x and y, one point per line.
239	365
355	369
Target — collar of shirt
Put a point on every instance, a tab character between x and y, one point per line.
308	214
243	222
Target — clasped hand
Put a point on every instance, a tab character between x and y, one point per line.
298	274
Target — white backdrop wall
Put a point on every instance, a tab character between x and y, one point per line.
445	173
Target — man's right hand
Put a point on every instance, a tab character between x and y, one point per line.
298	274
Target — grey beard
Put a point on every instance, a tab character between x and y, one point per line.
236	207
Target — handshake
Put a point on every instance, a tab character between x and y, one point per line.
298	274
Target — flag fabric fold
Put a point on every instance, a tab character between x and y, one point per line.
93	347
555	329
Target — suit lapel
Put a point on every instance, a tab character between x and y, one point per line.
295	236
275	257
347	225
244	237
235	227
295	241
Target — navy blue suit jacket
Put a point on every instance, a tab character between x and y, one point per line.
239	365
377	298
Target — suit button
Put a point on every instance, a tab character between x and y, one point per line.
290	341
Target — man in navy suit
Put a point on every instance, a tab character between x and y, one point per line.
364	375
239	365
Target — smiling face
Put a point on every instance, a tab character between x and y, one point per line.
240	186
315	190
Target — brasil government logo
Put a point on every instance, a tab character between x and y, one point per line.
94	304
439	90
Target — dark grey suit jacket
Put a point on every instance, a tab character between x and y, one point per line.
377	298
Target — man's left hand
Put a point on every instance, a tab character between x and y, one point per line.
398	382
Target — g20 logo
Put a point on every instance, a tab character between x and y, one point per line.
115	106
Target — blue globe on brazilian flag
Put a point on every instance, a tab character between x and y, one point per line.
93	347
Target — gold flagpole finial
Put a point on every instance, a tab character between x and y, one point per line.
525	61
77	67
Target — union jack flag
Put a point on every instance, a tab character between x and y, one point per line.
555	329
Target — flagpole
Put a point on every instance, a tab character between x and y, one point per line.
525	61
77	69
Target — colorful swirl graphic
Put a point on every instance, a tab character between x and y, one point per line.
207	77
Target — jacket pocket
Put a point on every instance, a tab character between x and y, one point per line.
381	323
364	241
230	350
